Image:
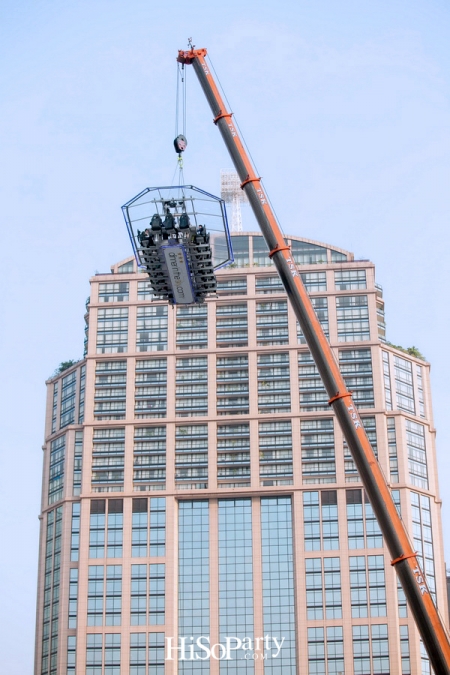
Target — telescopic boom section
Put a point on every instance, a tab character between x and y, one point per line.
431	628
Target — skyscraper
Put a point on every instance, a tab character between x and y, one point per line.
201	512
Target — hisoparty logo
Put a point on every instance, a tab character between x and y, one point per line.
231	649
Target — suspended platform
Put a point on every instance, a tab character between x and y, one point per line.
180	237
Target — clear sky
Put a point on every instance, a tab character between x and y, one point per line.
345	107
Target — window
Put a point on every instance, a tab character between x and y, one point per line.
274	388
351	472
235	590
314	282
112	331
404	650
313	395
150	397
356	368
392	444
104	601
81	395
306	253
97	529
417	457
320	515
95	595
193	577
108	456
336	256
113	596
140	527
157	527
75	534
261	252
56	469
71	654
94	656
115	528
381	321
149	458
352	318
55	407
362	526
192	327
126	268
50	627
423	538
115	292
350	280
275	453
368	586
321	309
231	325
323	590
191	387
144	291
272	323
110	390
265	285
404	385
387	381
232	385
401	601
156	598
147	582
112	652
232	286
318	455
142	661
327	645
151	328
68	392
314	588
240	251
233	455
371	655
191	456
138	651
420	397
278	580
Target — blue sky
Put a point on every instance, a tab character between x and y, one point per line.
345	107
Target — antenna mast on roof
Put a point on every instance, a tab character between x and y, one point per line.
231	193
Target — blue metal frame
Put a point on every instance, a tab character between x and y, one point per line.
174	187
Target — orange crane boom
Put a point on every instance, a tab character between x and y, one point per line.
428	621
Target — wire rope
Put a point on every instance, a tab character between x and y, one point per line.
177	99
244	142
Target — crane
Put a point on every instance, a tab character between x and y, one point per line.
404	558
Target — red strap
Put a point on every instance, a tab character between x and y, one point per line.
402	558
220	115
249	180
338	396
279	248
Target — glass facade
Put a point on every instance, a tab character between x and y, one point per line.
278	582
235	587
193	578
